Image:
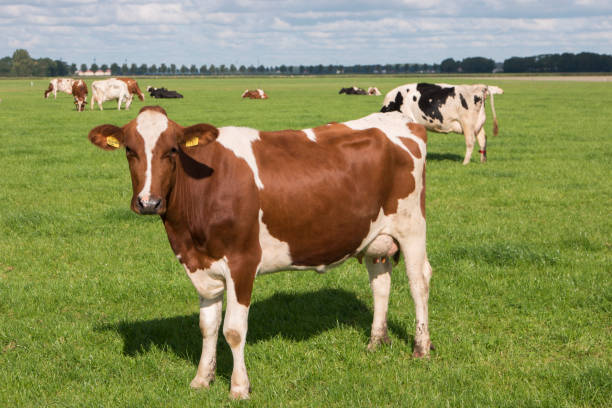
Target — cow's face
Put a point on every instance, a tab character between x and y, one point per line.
152	143
79	102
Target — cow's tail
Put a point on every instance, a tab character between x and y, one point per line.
492	90
48	90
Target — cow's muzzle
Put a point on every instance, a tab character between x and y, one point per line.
149	205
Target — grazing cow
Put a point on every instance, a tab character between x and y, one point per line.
133	87
353	91
59	84
162	93
79	91
374	91
256	94
447	108
237	202
109	89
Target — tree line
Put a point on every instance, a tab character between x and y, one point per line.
21	64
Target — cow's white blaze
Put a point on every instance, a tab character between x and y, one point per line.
239	140
150	125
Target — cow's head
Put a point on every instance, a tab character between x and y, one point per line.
152	143
79	102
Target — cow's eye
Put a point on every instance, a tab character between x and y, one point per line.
173	151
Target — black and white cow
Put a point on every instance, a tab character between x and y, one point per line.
353	91
447	108
163	93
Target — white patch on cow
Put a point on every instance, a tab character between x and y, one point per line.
310	134
150	125
275	253
261	93
210	282
239	140
378	226
393	124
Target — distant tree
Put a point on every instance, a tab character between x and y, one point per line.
73	68
184	69
125	69
233	69
22	65
242	69
251	69
223	69
163	68
143	69
203	69
83	67
115	69
449	65
94	67
133	69
193	69
173	68
212	70
153	69
103	67
5	65
477	64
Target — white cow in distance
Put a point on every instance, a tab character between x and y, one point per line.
109	89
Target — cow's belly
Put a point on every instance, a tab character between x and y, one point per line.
277	254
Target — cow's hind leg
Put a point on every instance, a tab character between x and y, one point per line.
419	273
482	141
210	320
379	270
469	143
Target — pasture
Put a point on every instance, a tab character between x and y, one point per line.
96	311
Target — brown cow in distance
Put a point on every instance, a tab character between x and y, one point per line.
237	202
255	94
133	87
79	91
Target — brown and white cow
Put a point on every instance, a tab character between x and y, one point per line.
79	91
256	94
445	108
109	89
237	202
59	84
133	87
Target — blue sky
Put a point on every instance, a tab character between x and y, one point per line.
293	32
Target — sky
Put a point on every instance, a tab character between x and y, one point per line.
300	32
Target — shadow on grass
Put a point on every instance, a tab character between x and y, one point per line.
444	156
295	317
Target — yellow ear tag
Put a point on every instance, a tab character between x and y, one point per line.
112	141
192	142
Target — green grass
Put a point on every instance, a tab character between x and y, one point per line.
95	310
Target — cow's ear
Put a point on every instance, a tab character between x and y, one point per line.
107	137
197	135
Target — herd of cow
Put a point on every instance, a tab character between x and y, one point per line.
121	89
237	202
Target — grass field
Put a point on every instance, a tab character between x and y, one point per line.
95	311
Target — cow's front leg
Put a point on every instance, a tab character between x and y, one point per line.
239	288
380	282
210	320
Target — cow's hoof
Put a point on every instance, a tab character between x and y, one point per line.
200	382
240	393
376	341
421	350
